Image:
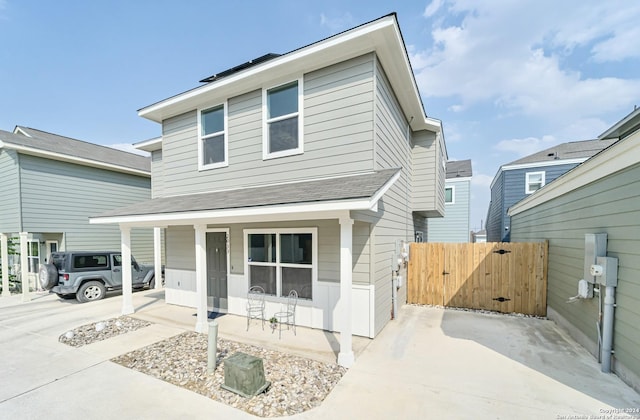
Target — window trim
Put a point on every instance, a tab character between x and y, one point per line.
277	231
265	122
527	183
31	257
224	132
453	195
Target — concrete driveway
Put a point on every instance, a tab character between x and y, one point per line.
430	363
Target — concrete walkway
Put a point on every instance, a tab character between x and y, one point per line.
430	363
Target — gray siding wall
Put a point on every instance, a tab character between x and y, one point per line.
394	220
610	205
157	169
424	157
338	134
59	197
496	214
454	226
181	245
10	190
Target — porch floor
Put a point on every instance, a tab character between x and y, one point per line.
308	342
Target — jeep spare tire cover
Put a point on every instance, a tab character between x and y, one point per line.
48	274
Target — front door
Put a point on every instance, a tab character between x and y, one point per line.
217	271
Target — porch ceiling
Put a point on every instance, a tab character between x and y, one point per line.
293	200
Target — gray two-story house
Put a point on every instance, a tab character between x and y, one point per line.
521	178
50	186
311	170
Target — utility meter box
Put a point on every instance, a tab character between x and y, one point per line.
605	271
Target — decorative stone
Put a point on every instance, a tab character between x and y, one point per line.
244	375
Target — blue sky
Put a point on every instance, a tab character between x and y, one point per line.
507	78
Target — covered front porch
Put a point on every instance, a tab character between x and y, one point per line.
341	200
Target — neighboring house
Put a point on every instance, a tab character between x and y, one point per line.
521	178
602	195
51	185
455	225
479	236
310	170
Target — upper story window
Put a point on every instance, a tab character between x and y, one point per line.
212	138
534	181
449	195
282	132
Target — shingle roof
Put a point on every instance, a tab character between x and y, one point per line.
564	151
334	189
67	146
459	168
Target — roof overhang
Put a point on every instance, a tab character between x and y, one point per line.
623	127
71	159
150	145
617	157
302	210
381	36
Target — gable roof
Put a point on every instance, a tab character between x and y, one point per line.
566	151
621	155
354	192
624	127
52	146
381	36
459	169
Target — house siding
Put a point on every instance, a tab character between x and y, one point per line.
455	225
10	187
157	168
59	197
394	220
338	134
510	189
610	205
181	243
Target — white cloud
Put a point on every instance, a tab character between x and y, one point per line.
126	147
516	56
432	8
338	23
481	180
526	146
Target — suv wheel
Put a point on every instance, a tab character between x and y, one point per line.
91	290
48	274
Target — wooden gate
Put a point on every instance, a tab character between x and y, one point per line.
503	277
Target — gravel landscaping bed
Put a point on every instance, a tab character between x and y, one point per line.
101	330
297	384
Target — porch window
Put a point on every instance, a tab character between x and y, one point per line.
33	256
534	181
282	134
282	260
212	145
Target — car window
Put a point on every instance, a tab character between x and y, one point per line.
117	260
90	261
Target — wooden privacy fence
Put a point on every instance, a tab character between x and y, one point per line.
503	277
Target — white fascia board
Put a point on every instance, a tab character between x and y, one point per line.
72	159
614	131
619	156
544	164
149	145
227	215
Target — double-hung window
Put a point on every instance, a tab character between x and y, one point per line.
449	195
212	138
282	132
281	260
33	256
534	181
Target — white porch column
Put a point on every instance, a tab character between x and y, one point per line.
157	257
127	289
202	324
24	267
4	254
345	357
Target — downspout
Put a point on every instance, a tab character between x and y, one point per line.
607	328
